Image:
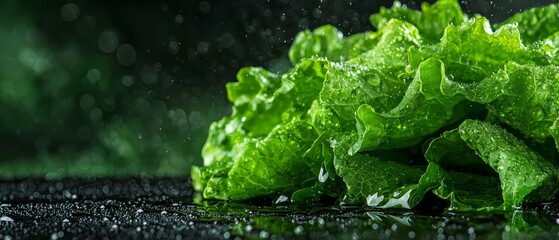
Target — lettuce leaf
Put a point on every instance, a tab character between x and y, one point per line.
431	20
537	23
423	110
264	104
346	123
473	51
361	81
530	100
328	42
259	170
523	175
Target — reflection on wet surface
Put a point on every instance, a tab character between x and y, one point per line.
163	208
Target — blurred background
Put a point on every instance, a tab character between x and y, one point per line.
119	88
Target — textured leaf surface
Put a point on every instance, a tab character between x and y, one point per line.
346	123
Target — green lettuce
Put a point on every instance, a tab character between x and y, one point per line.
519	174
537	23
432	102
431	20
328	42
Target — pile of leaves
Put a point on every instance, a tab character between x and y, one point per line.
433	101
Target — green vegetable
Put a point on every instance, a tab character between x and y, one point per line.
537	23
523	176
431	21
348	122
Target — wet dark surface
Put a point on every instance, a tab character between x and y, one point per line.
162	208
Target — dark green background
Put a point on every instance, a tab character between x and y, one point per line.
69	107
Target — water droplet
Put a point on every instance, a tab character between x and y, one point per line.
411	234
303	23
179	18
173	47
281	199
374	199
6	219
317	13
323	175
264	234
298	230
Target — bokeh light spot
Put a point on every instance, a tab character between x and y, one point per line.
107	41
127	80
173	47
70	12
87	101
96	114
148	75
205	7
93	75
126	54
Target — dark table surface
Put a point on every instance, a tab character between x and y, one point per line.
162	208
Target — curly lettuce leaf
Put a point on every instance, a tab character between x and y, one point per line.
381	179
252	82
253	98
524	176
301	86
423	110
473	51
258	169
431	20
374	77
262	102
347	86
326	41
537	23
530	103
324	119
467	182
346	120
469	192
474	58
218	151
